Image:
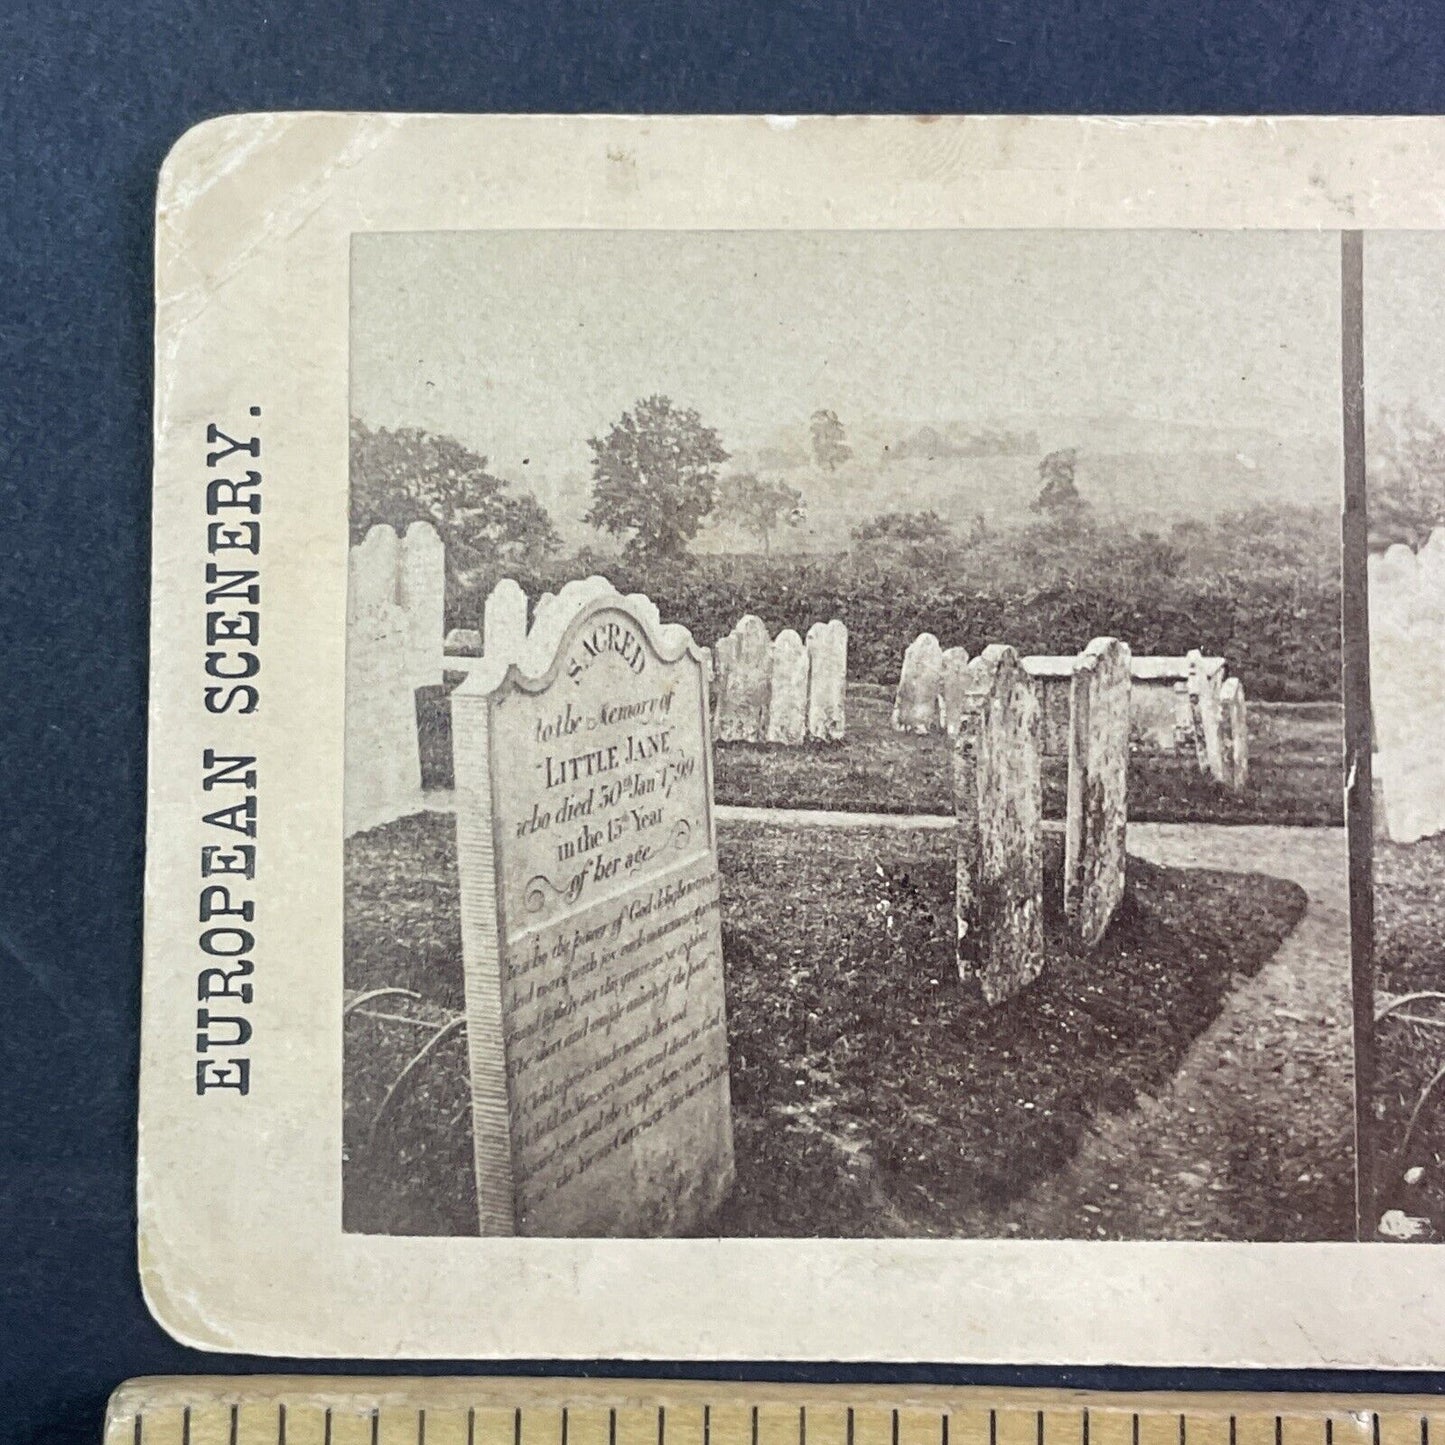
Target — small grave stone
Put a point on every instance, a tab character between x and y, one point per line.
591	940
421	590
1206	716
788	689
998	800
827	681
1096	814
1407	686
1234	733
382	765
372	571
953	679
742	712
916	707
724	656
504	618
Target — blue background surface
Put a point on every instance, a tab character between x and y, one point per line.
91	98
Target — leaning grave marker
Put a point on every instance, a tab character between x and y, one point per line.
1096	816
998	800
591	937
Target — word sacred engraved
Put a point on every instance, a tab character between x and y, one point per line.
592	935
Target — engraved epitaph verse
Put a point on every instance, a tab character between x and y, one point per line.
611	970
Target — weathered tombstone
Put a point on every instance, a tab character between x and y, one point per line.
372	571
788	689
462	642
916	706
421	590
591	940
998	800
504	618
953	679
724	655
382	766
1096	814
827	644
1234	733
1206	716
742	708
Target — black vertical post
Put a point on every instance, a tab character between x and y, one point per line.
1359	783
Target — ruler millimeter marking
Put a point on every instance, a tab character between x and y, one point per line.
336	1410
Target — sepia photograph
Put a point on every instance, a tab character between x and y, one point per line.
844	738
1403	279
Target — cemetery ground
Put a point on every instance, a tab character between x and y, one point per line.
1294	771
1410	961
1188	1079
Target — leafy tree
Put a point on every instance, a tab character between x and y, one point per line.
830	442
655	475
1407	475
1058	500
407	475
758	505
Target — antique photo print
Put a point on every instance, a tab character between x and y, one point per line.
844	736
797	738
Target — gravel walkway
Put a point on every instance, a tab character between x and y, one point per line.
1253	1137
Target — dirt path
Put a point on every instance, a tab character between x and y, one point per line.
1252	1138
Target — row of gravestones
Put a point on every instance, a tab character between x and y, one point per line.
396	598
1407	685
780	690
1185	706
591	933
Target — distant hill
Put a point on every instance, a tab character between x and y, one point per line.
1147	471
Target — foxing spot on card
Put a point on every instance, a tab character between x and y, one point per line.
754	766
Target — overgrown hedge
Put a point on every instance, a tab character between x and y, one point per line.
1279	629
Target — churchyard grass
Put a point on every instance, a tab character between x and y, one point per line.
1294	773
872	1093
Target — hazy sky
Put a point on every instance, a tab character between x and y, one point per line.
522	344
1405	320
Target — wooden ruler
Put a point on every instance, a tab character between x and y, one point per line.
337	1410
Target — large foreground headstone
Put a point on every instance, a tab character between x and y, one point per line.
827	644
916	706
1096	814
788	689
591	938
998	799
744	682
1234	733
953	682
